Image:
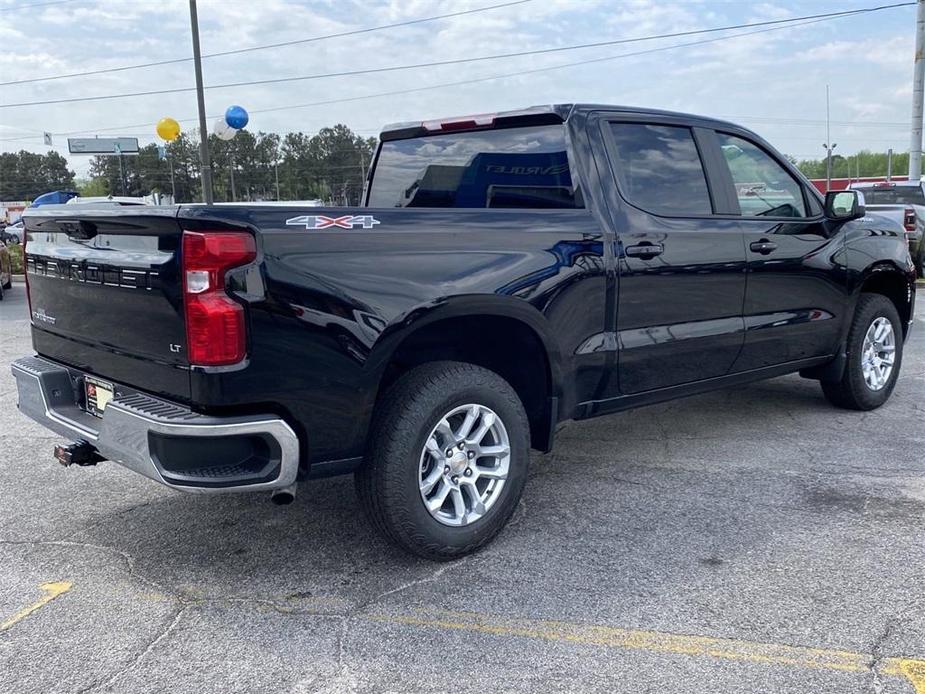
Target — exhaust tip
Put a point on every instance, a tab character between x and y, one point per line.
284	496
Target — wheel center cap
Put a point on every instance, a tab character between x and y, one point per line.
458	462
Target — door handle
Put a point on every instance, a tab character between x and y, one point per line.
763	246
645	250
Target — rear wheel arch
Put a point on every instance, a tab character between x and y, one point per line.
509	339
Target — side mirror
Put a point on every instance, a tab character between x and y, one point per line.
842	205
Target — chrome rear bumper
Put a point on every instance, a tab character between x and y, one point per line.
162	440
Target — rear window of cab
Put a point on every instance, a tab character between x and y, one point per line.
502	168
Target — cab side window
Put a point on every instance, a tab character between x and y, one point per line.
764	187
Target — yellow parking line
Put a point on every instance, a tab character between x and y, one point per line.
912	669
50	592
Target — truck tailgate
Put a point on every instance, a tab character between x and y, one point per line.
106	295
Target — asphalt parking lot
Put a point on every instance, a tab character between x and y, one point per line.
750	540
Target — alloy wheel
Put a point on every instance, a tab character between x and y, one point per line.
464	464
878	353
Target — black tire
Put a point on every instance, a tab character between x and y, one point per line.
852	391
9	285
388	482
1	292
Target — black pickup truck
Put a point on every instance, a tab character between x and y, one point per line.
508	273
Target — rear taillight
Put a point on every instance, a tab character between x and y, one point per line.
215	327
909	220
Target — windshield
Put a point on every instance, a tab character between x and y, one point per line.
898	195
511	168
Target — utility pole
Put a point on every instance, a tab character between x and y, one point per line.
173	185
233	195
828	140
205	165
918	93
121	169
889	165
276	171
828	165
362	176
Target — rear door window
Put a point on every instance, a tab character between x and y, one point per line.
659	169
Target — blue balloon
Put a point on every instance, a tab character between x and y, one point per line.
236	117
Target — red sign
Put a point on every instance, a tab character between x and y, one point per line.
843	183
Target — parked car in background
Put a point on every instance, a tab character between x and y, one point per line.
6	269
903	201
12	233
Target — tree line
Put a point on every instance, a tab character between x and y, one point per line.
329	166
864	164
25	175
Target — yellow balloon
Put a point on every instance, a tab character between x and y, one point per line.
168	129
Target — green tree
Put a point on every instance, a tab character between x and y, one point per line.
330	165
26	175
93	187
146	173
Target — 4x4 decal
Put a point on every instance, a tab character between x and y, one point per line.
347	221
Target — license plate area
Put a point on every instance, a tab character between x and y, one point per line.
97	395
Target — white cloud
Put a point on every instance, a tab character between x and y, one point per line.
894	52
780	74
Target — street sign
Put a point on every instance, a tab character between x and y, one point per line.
102	145
46	137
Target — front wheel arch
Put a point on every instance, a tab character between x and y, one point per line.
894	284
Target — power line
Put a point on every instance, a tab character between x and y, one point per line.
29	7
457	61
419	21
808	121
352	32
519	73
443	85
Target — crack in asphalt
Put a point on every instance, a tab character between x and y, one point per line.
127	558
341	681
186	602
100	684
434	576
877	657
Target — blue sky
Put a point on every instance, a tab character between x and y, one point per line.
773	82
